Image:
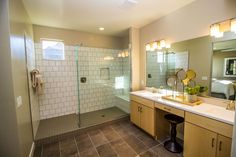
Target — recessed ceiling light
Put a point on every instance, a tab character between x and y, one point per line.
101	28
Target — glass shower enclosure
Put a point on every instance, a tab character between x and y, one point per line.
103	84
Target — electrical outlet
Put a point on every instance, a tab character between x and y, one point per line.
18	101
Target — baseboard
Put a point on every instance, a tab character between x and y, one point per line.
31	154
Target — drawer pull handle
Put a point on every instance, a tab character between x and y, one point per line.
168	109
141	109
213	142
220	146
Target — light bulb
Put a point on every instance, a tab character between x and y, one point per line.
154	45
163	43
148	47
215	31
233	25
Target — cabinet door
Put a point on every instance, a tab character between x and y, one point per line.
199	142
224	146
147	119
135	114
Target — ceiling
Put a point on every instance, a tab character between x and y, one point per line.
116	16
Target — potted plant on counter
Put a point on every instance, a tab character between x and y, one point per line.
192	93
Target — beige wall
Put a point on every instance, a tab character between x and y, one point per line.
71	37
8	131
189	22
200	53
19	25
135	57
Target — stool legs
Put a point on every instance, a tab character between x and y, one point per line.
173	132
171	145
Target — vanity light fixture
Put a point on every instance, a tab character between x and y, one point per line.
123	54
101	28
157	45
215	31
233	25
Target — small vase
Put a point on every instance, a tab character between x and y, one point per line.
191	98
203	94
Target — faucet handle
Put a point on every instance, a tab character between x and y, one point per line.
231	105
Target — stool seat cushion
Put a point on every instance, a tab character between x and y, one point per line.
174	118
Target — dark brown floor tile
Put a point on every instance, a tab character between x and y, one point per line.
38	151
97	138
81	137
120	130
51	150
162	152
68	148
109	133
122	148
89	153
106	151
149	153
135	143
148	140
84	143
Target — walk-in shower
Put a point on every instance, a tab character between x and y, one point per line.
103	83
84	87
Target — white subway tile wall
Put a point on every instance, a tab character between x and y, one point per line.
160	71
61	89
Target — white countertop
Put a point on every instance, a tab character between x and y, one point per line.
207	110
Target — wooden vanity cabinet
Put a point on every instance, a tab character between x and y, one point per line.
142	114
223	146
204	139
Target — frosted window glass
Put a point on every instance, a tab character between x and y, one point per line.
119	82
53	50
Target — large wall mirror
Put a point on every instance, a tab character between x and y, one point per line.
224	69
214	62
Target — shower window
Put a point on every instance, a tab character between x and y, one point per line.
53	50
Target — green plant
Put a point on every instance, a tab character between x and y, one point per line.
192	90
203	89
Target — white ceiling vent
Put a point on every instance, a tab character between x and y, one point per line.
128	4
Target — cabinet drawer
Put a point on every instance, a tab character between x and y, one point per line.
142	101
210	124
170	109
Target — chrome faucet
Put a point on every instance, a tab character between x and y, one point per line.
231	105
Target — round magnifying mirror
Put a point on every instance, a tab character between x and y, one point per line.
171	81
181	74
191	74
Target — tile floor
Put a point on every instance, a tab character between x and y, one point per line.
121	139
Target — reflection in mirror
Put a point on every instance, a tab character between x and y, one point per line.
224	70
163	64
194	54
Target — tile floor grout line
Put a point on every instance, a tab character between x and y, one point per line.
59	148
144	143
77	147
125	141
93	144
41	151
110	143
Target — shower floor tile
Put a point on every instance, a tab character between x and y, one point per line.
68	123
100	116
